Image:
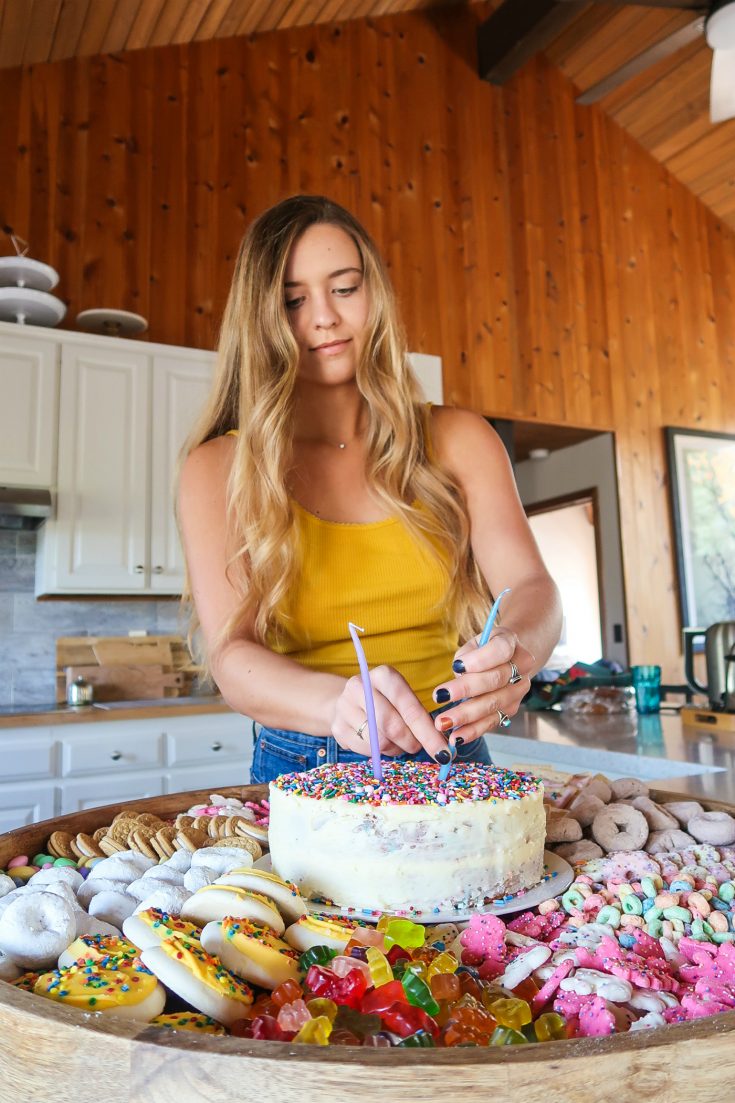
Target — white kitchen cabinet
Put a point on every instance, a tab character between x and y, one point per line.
76	796
30	753
29	384
21	805
125	411
119	751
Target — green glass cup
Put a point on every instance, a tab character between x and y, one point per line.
647	686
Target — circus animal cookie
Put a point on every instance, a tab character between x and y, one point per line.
311	931
152	927
199	979
189	1020
261	881
411	840
129	991
216	901
620	827
36	927
251	951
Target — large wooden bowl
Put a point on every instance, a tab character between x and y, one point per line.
54	1054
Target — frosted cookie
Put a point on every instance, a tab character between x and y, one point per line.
151	927
310	931
200	979
189	1020
252	951
97	949
284	894
133	993
217	901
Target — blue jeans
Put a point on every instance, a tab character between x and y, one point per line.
282	752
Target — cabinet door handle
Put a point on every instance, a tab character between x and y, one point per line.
158	570
139	568
116	756
216	746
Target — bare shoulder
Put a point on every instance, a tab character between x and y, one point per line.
465	441
207	466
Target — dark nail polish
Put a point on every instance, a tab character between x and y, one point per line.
459	740
442	757
441	696
458	666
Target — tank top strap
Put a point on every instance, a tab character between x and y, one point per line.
428	436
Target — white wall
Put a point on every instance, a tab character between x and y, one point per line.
582	467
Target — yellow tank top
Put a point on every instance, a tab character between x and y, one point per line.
378	576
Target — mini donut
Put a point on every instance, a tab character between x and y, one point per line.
657	818
179	860
222	859
94	885
252	951
599	786
62	889
562	828
165	872
199	979
35	928
6	901
198	876
153	926
112	907
628	788
312	930
585	807
130	992
90	925
144	887
169	899
7	884
715	828
95	948
67	874
216	901
581	851
661	842
620	827
683	810
189	1020
284	894
9	970
126	865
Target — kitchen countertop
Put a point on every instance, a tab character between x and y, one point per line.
666	753
106	711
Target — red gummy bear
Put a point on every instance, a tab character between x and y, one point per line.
347	990
380	999
405	1019
266	1028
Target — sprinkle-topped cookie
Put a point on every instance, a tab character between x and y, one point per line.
408	783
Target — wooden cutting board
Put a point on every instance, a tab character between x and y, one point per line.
133	652
129	682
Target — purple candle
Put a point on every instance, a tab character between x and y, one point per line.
369	703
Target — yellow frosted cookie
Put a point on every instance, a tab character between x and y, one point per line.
189	1020
217	901
132	992
200	979
312	930
153	926
284	894
252	951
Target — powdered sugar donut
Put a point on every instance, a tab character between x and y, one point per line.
112	907
627	788
683	810
36	927
662	842
126	866
599	786
657	818
716	828
199	876
620	827
9	970
582	851
222	858
62	889
163	873
7	884
66	874
170	899
144	887
585	807
562	828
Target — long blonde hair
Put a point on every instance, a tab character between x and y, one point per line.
253	391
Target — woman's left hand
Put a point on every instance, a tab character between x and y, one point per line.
485	688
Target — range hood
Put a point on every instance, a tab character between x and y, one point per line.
24	507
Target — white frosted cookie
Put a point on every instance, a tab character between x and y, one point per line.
252	951
284	894
217	901
200	979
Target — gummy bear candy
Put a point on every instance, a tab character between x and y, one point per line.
404	1019
292	1016
267	1028
420	1038
317	955
319	1007
505	1036
549	1027
286	993
445	986
356	1022
403	932
343	990
378	999
379	966
512	1013
316	1032
443	964
418	993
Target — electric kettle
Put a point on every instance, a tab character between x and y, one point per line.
719	654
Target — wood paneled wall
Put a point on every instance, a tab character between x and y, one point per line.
560	272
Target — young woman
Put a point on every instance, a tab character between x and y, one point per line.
318	489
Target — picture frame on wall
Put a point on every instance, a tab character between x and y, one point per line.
701	468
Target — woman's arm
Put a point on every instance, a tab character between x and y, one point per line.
270	688
508	556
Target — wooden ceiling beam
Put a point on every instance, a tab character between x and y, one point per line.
518	30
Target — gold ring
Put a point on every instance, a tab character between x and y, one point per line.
515	674
361	729
503	720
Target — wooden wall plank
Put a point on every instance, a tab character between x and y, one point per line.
123	18
96	26
562	274
42	21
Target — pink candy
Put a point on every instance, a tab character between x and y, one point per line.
485	937
21	860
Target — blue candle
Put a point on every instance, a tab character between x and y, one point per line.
369	703
490	622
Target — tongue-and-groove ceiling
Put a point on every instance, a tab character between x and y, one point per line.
665	108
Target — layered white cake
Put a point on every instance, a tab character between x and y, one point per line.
411	842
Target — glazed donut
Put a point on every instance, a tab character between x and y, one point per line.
620	827
97	948
581	851
284	894
585	807
128	990
153	926
199	979
222	858
35	928
657	818
8	968
627	788
7	884
661	842
217	901
189	1020
683	810
169	899
112	907
312	930
715	828
562	828
252	951
65	874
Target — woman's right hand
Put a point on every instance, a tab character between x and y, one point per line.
404	725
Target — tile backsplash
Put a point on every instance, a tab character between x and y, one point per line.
29	628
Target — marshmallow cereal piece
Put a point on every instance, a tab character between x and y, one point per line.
35	928
112	907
